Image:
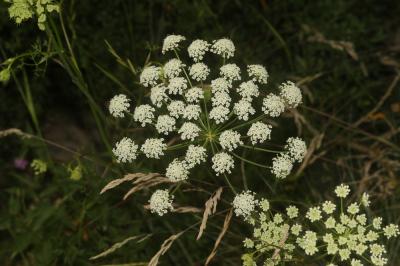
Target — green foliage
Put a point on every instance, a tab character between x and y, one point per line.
58	218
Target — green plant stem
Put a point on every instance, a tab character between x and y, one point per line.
69	62
259	149
26	94
248	161
250	122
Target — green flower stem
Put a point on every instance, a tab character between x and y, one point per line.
227	125
191	86
259	149
244	177
178	146
69	62
184	70
176	188
250	162
225	176
205	110
229	184
250	122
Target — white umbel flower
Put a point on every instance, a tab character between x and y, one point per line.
197	49
342	190
258	73
259	132
144	114
221	98
243	109
273	105
173	68
195	155
177	85
292	211
365	201
291	94
176	108
150	75
165	124
391	230
308	242
223	47
248	90
192	112
154	148
314	214
199	71
177	171
219	114
171	42
220	84
296	148
194	95
328	207
244	204
222	163
230	140
158	95
119	104
189	130
125	150
161	202
281	166
230	71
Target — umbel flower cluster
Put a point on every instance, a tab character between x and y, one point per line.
22	10
211	114
339	233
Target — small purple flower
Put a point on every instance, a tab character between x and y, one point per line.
20	164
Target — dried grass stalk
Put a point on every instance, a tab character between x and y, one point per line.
126	178
183	209
118	245
347	47
281	243
210	208
146	182
221	235
315	144
186	209
13	131
164	248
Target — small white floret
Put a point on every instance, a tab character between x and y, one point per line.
125	150
223	47
150	75
161	202
154	148
119	104
171	42
222	163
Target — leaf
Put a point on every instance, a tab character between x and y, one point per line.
210	208
221	235
164	248
118	245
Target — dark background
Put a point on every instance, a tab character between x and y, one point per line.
345	55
